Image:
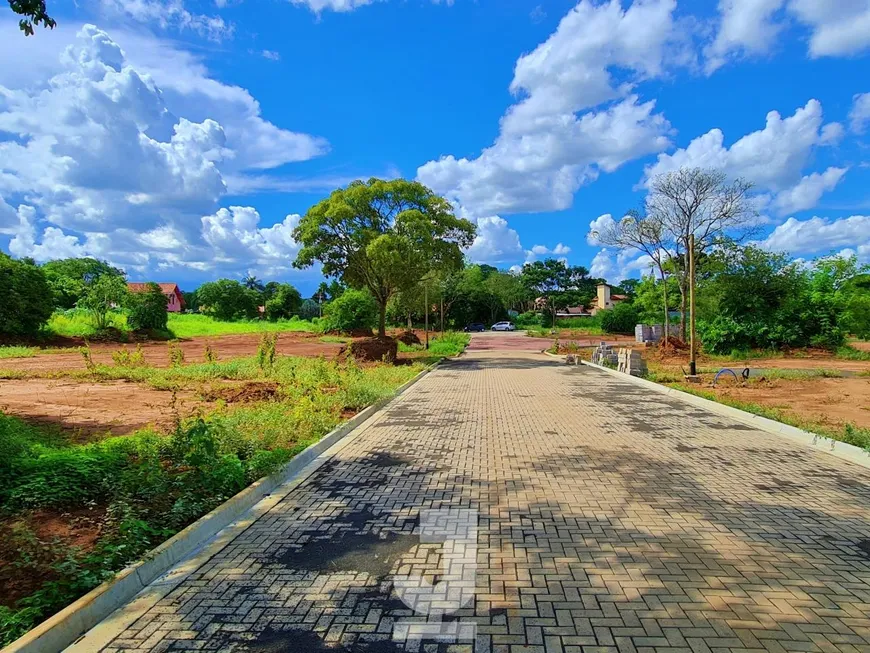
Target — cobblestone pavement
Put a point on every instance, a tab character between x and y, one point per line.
610	519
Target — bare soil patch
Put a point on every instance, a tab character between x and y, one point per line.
374	349
809	360
157	353
87	409
826	400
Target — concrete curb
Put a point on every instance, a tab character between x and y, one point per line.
64	628
818	442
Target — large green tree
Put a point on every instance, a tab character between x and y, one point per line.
561	285
69	278
33	12
106	293
383	236
25	296
227	299
284	303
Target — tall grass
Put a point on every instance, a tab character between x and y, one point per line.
77	323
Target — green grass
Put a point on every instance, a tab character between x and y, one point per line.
189	325
339	339
80	324
14	351
451	343
848	433
152	485
848	352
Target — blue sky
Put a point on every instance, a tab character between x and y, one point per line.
182	140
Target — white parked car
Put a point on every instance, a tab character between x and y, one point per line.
504	326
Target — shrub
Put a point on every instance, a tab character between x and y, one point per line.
353	310
227	299
102	295
284	303
26	297
176	354
148	309
622	318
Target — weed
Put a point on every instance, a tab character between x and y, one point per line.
176	354
123	358
266	352
85	351
210	354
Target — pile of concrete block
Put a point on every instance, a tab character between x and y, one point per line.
646	333
604	354
631	362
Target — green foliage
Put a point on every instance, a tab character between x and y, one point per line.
762	300
622	318
451	343
101	296
850	353
155	485
227	299
26	297
69	278
354	310
558	284
147	310
309	309
284	303
33	13
79	323
16	351
383	236
529	319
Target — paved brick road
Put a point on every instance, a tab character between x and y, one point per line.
609	520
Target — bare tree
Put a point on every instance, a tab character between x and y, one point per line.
647	235
701	203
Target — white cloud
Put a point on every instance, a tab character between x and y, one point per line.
343	6
234	234
746	26
272	55
806	194
614	266
107	161
838	28
560	250
602	223
495	242
859	116
772	158
168	14
751	27
547	146
821	235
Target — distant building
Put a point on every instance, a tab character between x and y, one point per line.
605	299
174	299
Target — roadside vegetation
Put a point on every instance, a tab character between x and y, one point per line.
121	496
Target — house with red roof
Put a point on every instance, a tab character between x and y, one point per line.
174	299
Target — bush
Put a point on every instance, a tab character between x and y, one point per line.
529	319
26	296
148	309
284	303
353	310
102	295
227	299
622	318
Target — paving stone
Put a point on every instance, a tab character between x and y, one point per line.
609	519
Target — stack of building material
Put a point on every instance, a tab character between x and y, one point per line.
631	362
604	354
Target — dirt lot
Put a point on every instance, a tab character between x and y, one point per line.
87	409
157	353
828	401
824	400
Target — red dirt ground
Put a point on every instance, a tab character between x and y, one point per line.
87	408
157	353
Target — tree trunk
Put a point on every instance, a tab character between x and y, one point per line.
410	327
382	320
683	303
667	307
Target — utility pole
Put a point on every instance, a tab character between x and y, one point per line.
442	314
426	311
692	367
